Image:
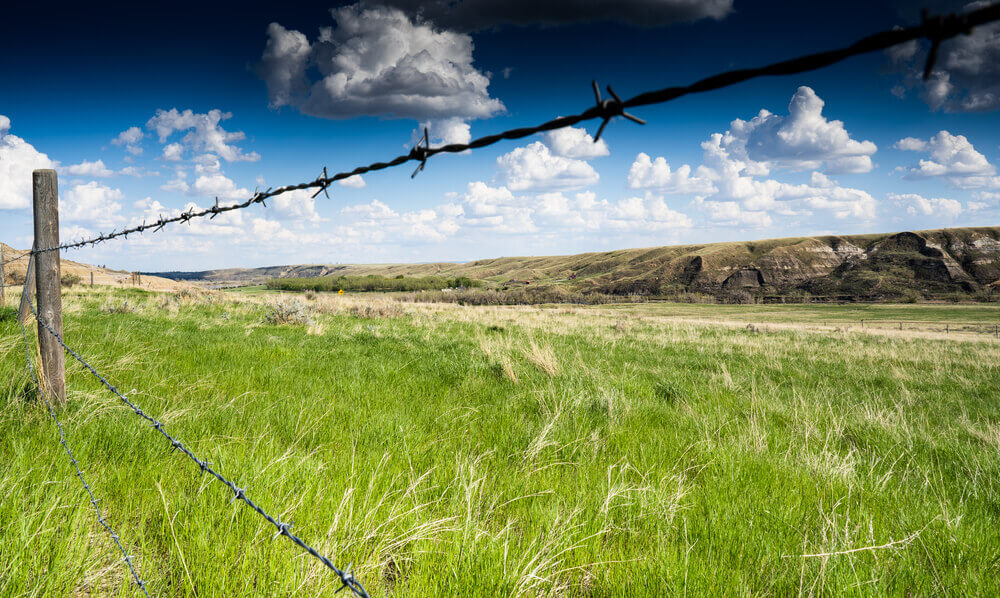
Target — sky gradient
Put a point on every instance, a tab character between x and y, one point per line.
148	114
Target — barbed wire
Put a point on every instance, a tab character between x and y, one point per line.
79	474
346	576
933	28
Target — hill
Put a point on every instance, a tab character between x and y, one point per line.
17	265
875	266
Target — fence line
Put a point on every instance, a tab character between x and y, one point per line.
936	29
346	577
79	474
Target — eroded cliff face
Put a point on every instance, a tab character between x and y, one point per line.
867	266
937	261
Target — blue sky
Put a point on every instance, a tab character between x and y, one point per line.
147	114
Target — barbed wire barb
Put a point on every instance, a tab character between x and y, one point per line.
421	152
324	187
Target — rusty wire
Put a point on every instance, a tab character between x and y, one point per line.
934	28
79	474
346	576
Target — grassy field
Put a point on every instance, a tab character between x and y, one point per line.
648	449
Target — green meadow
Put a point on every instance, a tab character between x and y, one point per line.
447	450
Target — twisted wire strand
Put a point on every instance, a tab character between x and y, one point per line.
936	29
346	576
79	474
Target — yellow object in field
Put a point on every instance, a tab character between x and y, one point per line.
340	292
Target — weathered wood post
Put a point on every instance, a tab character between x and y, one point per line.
47	279
27	293
3	281
91	279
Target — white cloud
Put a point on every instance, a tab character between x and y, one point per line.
574	142
204	134
130	138
444	131
911	144
649	213
952	157
298	205
497	209
375	210
90	169
17	159
178	183
731	213
376	62
92	203
378	222
173	152
917	205
353	181
218	185
647	173
989	196
535	167
137	171
803	140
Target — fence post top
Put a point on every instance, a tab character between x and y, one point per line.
39	171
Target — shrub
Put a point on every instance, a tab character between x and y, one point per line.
291	311
376	310
69	280
370	283
739	297
112	307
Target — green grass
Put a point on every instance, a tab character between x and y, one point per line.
462	451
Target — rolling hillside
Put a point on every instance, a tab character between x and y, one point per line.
965	260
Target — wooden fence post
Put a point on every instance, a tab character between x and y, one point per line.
28	292
3	281
45	193
91	279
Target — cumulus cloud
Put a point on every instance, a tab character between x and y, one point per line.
952	157
377	61
917	205
648	173
17	159
204	134
731	190
731	186
574	142
731	213
92	203
803	140
218	185
130	138
535	167
498	209
377	221
474	15
353	181
966	77
90	169
444	131
298	205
